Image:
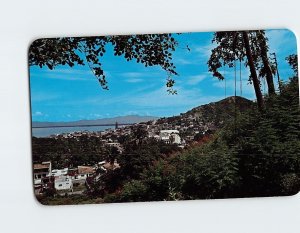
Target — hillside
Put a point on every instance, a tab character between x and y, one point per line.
221	110
215	112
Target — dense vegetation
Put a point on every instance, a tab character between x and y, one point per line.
68	152
257	154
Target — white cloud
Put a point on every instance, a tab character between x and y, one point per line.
137	77
133	74
131	113
279	40
160	98
134	80
196	56
70	71
205	51
70	74
42	96
195	79
37	113
247	89
183	61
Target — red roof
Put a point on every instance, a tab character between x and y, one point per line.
85	169
41	166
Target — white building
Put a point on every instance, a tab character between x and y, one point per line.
63	183
83	172
41	171
116	144
170	136
60	172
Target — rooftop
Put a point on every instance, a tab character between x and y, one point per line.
85	169
41	166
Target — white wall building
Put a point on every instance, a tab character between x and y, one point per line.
41	171
83	172
63	183
60	172
170	136
116	144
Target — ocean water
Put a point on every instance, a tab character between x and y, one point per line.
46	132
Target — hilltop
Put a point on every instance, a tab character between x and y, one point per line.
221	110
214	113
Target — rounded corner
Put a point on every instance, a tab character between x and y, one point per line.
38	201
293	33
34	41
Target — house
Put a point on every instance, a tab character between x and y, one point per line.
190	137
83	172
41	171
116	144
60	172
170	136
63	183
41	176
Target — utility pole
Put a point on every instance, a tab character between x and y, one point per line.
277	72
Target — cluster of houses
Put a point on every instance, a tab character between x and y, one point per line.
169	137
180	130
64	180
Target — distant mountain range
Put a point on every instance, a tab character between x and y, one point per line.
131	119
215	112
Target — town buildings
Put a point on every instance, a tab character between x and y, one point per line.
64	180
170	136
178	130
63	183
41	176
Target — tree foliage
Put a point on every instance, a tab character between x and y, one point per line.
231	47
272	149
69	152
149	49
293	62
257	155
249	47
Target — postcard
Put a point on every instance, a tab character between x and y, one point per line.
165	117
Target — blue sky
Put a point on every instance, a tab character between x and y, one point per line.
68	94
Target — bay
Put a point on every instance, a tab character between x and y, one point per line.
46	132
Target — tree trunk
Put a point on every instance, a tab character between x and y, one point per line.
260	101
267	67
